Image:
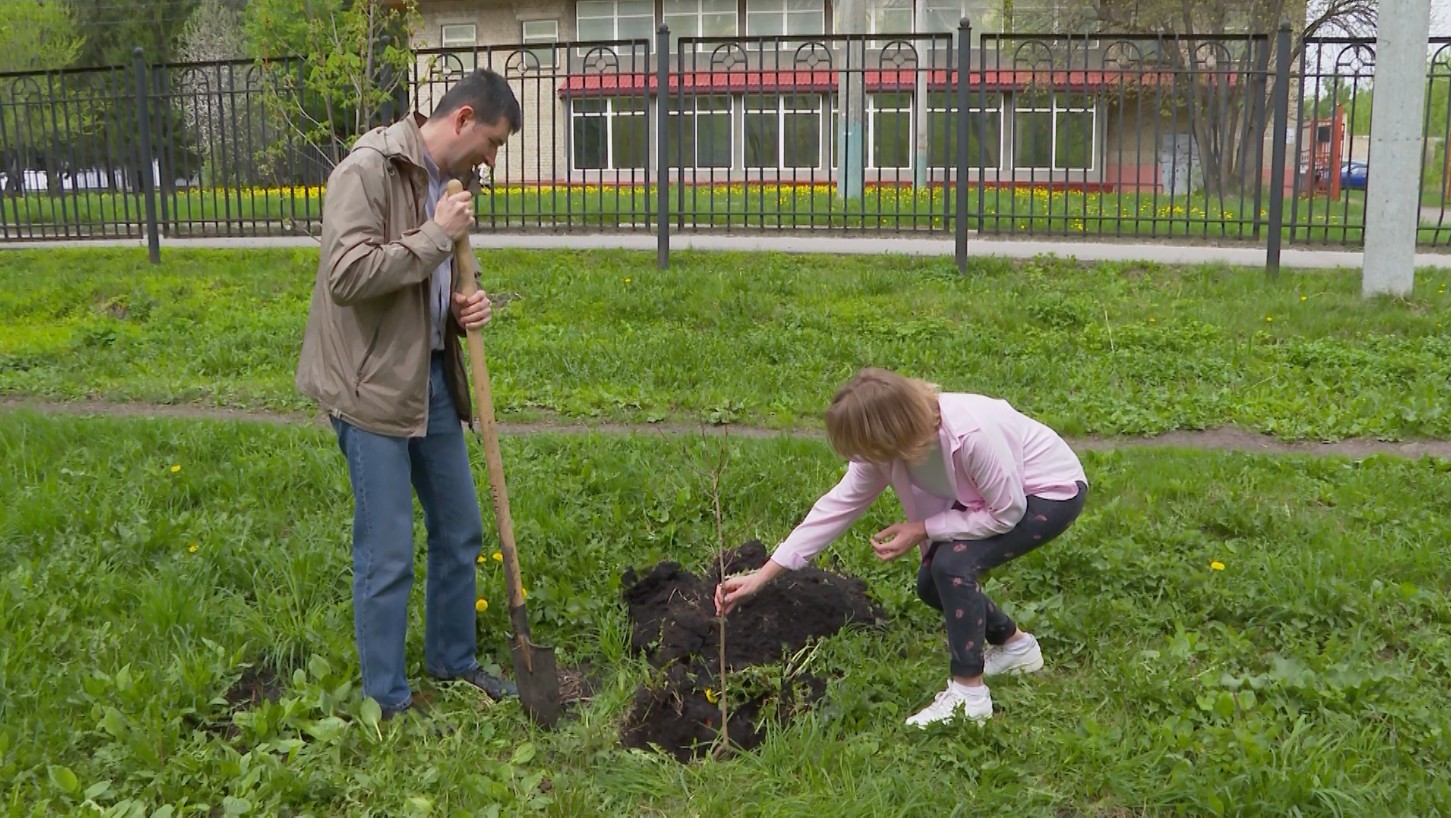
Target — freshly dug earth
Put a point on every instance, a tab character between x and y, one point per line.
675	627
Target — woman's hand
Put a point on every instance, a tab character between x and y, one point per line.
733	590
896	540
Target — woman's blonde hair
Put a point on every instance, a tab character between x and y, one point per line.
880	416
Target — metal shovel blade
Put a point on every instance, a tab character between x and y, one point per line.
535	672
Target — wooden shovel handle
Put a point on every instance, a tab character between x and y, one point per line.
468	269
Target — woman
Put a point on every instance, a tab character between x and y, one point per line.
981	484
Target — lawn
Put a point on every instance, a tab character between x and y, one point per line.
807	205
764	339
149	565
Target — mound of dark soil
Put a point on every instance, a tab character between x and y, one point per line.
675	627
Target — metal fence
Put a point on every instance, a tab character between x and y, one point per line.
1101	136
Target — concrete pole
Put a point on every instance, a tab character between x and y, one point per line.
851	18
1392	196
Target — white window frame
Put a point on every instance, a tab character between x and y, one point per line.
873	108
878	11
698	10
545	53
735	128
472	38
780	112
611	118
614	17
1053	109
1055	12
995	105
986	17
782	9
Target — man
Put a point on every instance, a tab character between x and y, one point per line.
381	355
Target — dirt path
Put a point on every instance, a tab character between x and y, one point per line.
1226	439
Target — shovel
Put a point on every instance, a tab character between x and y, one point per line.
535	671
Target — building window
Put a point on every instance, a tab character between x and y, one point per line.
700	135
542	35
700	18
765	18
609	133
944	16
462	35
783	132
889	130
1054	132
615	19
890	17
1036	17
984	131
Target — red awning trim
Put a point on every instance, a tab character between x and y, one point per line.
774	81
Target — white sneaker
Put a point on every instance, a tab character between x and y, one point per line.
974	702
1023	656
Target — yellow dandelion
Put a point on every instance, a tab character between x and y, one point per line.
1151	319
481	605
711	696
1269	319
524	592
498	556
1304	298
191	549
1217	565
627	279
480	560
175	467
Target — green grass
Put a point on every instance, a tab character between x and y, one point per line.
765	339
807	205
1307	677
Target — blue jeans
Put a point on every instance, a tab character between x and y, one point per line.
381	469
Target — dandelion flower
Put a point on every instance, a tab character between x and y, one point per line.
498	556
481	605
191	549
1217	565
1269	319
480	560
1304	298
175	467
711	696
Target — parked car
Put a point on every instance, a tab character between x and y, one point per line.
1353	175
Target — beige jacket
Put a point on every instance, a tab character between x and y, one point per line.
365	351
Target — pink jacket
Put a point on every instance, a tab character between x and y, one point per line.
996	457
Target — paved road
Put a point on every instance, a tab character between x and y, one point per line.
1161	252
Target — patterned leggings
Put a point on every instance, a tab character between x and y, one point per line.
949	579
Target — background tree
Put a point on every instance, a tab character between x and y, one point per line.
35	36
111	30
1230	117
217	84
333	68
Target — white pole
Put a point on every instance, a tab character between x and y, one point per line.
1392	196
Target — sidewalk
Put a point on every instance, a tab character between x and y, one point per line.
1158	252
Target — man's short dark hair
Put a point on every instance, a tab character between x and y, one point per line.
488	94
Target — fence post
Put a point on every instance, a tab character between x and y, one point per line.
959	190
1260	119
1277	150
144	155
662	147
